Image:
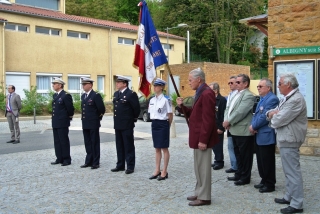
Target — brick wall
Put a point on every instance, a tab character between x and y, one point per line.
295	23
215	72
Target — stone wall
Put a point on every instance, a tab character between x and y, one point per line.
215	72
295	23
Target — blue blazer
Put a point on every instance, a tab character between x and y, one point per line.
266	135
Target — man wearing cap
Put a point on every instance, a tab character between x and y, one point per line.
62	113
126	109
93	110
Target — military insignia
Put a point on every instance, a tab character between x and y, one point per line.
261	109
124	96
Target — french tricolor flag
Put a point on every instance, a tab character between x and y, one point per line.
149	53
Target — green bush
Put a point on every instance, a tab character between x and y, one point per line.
2	99
49	99
76	103
33	99
174	97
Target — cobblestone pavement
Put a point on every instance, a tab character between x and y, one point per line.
29	184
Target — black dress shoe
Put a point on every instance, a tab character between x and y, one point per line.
291	210
212	165
217	167
162	178
233	178
241	183
95	166
10	141
258	186
266	189
155	176
85	165
116	170
230	170
65	164
16	141
55	162
129	171
281	201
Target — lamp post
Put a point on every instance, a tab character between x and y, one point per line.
188	41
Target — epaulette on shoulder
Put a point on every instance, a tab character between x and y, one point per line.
166	96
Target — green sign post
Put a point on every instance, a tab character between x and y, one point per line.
296	50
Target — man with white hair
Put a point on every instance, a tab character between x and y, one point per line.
289	119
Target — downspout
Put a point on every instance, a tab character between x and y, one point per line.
3	55
110	66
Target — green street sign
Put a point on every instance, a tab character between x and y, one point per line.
296	50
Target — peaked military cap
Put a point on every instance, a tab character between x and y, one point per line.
160	82
85	80
58	80
121	78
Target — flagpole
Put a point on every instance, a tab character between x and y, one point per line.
176	89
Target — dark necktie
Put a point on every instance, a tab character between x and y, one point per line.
85	96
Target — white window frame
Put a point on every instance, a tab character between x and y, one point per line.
165	45
123	41
103	79
77	75
79	35
52	76
50	31
17	27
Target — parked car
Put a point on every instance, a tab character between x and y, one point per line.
144	104
187	101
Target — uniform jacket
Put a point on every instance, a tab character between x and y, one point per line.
266	135
202	119
92	109
62	110
126	109
291	121
15	103
241	114
221	104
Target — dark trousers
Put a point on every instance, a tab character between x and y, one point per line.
62	144
125	149
243	150
266	161
218	151
92	144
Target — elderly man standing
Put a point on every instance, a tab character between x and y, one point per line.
13	107
219	111
237	119
202	135
265	137
289	120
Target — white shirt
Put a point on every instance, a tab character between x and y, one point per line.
159	107
233	100
231	95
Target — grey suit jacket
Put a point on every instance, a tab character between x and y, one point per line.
15	103
241	114
291	121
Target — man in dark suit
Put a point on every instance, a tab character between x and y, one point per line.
237	119
13	106
265	137
220	106
202	135
62	113
93	110
126	109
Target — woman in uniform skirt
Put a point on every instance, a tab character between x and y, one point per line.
160	110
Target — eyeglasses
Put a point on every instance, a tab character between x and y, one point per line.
230	83
238	82
260	86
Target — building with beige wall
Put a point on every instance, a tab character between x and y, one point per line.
40	43
294	34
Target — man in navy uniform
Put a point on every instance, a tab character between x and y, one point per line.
126	111
93	110
62	113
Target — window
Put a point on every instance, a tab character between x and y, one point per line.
17	27
125	41
77	35
44	85
100	84
167	46
49	31
74	85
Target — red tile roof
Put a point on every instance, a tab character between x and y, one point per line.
51	14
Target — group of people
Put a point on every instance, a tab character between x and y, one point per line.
272	122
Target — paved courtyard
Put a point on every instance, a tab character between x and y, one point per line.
30	184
